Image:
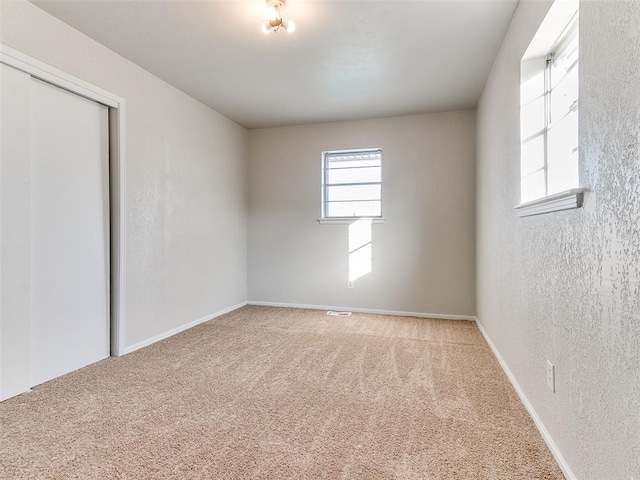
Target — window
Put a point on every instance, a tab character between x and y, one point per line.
549	115
562	113
352	184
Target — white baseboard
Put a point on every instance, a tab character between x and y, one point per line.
366	310
546	436
181	328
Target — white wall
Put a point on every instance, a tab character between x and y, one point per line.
423	255
565	286
186	194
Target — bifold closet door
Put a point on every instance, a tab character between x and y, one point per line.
69	232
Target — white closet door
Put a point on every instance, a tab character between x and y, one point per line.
15	231
69	232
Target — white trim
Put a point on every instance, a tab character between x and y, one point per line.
117	144
117	139
552	203
546	436
347	220
50	74
181	328
555	21
366	310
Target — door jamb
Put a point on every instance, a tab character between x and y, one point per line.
117	179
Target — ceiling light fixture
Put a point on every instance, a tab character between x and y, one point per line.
275	21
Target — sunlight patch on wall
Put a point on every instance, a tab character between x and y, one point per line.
360	249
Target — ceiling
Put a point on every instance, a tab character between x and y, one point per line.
346	60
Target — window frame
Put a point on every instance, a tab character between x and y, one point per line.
559	29
565	39
324	217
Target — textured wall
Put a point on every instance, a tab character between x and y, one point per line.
186	180
423	256
565	286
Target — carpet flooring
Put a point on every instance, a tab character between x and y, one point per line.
274	393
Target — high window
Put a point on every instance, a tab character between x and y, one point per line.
352	184
561	127
549	115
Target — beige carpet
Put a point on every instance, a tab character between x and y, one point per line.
283	394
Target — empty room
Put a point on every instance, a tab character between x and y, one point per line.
320	239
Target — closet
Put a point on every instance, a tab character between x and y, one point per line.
54	231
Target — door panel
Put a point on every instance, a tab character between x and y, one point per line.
69	232
15	225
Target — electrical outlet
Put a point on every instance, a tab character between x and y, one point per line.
349	284
551	376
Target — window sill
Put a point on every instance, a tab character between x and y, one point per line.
347	220
553	203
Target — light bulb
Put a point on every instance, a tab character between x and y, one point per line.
266	28
291	26
272	13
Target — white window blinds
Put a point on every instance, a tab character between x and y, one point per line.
352	184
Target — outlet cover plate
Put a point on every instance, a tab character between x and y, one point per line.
551	376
